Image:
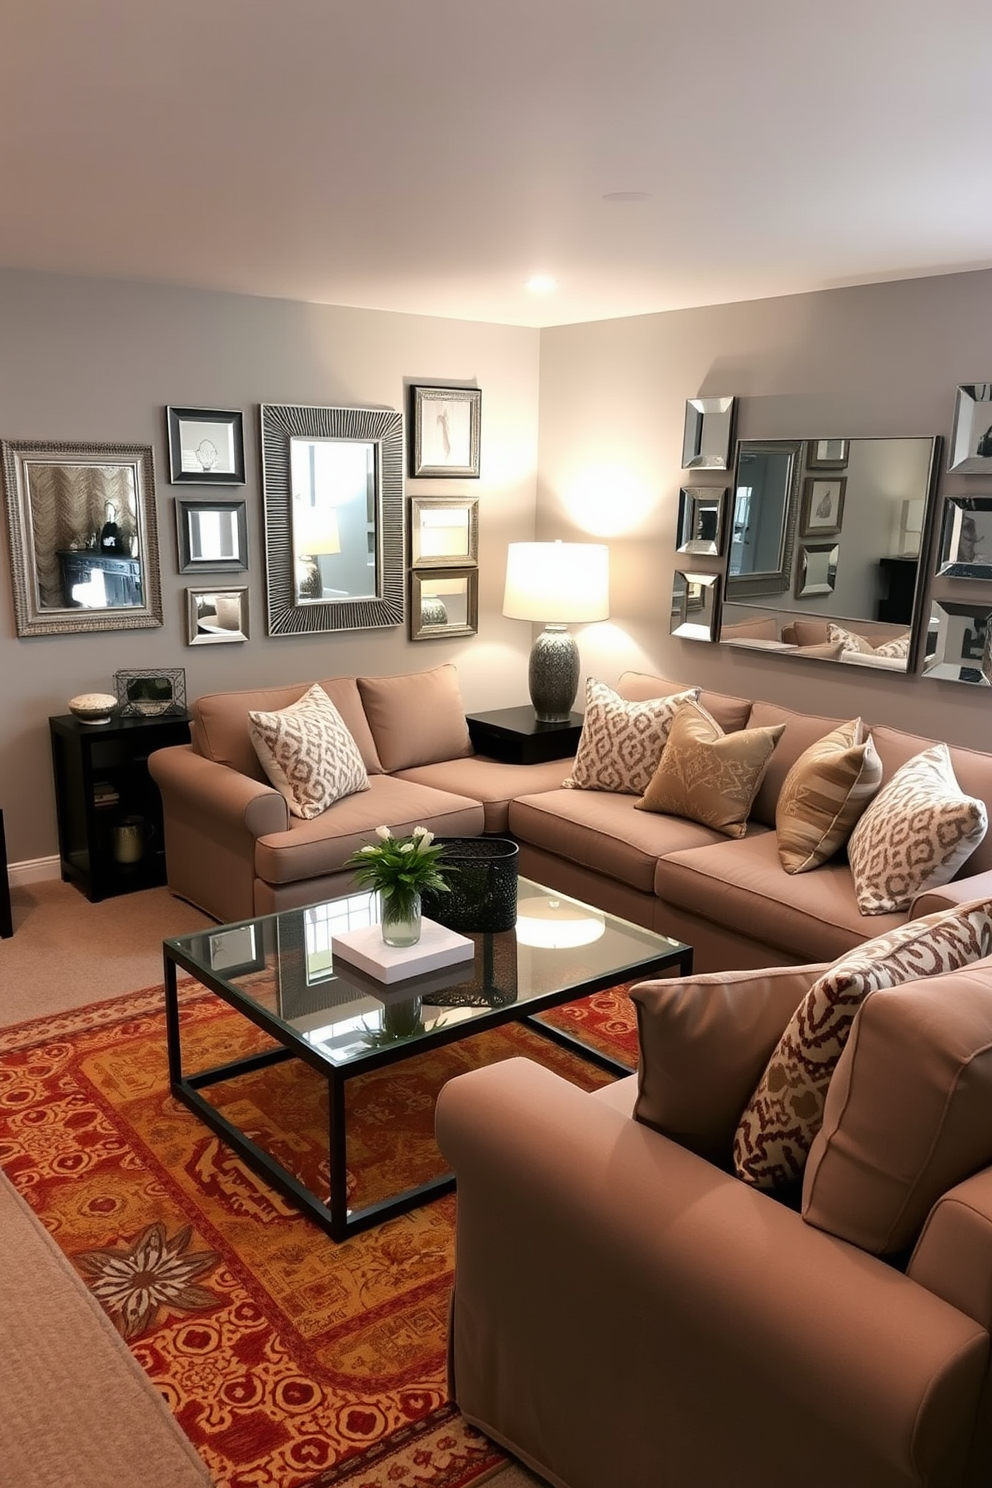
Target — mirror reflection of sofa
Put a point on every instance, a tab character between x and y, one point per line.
861	642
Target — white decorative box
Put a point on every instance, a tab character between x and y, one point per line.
436	948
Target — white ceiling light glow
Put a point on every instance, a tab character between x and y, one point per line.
541	284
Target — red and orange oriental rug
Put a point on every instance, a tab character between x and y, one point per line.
289	1361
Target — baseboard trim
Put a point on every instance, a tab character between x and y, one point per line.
33	870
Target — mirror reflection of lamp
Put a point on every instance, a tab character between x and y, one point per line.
557	924
316	534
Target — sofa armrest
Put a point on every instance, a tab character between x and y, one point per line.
613	1288
960	891
953	1256
213	816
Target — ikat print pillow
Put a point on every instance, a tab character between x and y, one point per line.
308	753
621	743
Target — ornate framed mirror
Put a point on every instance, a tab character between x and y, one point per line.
332	480
83	536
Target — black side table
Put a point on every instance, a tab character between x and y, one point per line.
514	736
6	917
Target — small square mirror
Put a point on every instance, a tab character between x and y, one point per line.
966	539
709	433
694	606
444	533
701	523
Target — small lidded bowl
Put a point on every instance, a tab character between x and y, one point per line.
93	707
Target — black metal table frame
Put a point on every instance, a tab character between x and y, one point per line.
334	1216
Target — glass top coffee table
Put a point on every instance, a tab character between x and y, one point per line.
279	971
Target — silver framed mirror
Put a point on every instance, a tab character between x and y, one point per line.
701	520
83	536
443	603
763	520
216	616
211	536
708	437
958	645
695	600
966	538
332	481
971	437
444	531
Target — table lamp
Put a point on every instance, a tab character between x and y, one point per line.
560	583
315	535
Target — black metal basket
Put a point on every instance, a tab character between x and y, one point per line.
483	891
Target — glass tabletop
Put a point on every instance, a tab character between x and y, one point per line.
283	965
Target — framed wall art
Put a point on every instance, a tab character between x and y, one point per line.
211	535
446	428
822	508
152	693
216	616
444	533
206	446
827	454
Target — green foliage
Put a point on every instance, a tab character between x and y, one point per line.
398	867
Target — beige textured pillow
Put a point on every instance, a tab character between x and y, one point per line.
621	742
707	775
851	641
823	796
908	1113
898	646
786	1110
915	835
308	753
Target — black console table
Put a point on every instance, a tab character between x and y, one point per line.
109	808
121	575
514	736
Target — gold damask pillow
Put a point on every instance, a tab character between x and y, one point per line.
915	835
823	796
621	742
786	1110
308	753
707	775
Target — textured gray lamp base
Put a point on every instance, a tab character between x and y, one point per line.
554	674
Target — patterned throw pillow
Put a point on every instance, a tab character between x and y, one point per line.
621	742
915	835
707	775
786	1110
308	753
851	641
823	796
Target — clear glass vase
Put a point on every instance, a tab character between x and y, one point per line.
400	918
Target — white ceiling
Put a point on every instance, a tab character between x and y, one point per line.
430	155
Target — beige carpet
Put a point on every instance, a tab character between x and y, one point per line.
62	1427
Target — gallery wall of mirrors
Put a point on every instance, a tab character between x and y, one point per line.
840	549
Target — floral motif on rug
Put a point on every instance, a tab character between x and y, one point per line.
289	1361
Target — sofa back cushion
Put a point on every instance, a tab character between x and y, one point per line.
219	726
972	771
801	730
908	1113
416	719
730	712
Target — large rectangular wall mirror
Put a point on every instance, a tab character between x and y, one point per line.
819	560
333	487
83	536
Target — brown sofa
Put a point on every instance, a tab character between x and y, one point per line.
627	1311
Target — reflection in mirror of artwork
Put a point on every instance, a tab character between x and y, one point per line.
873	596
701	520
83	537
966	539
443	603
694	603
709	433
333	483
959	643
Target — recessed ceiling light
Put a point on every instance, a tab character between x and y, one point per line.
627	196
541	283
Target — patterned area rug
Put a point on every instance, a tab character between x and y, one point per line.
289	1361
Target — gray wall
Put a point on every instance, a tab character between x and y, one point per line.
878	360
95	360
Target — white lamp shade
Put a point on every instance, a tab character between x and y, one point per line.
557	582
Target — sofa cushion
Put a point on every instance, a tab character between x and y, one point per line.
744	886
730	712
492	782
823	795
601	830
801	730
915	835
908	1112
621	742
763	628
416	719
219	725
786	1110
707	775
703	1043
307	753
313	849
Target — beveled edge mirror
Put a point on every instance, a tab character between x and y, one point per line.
702	512
971	437
959	643
708	436
816	569
695	605
211	536
966	538
382	428
34	546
